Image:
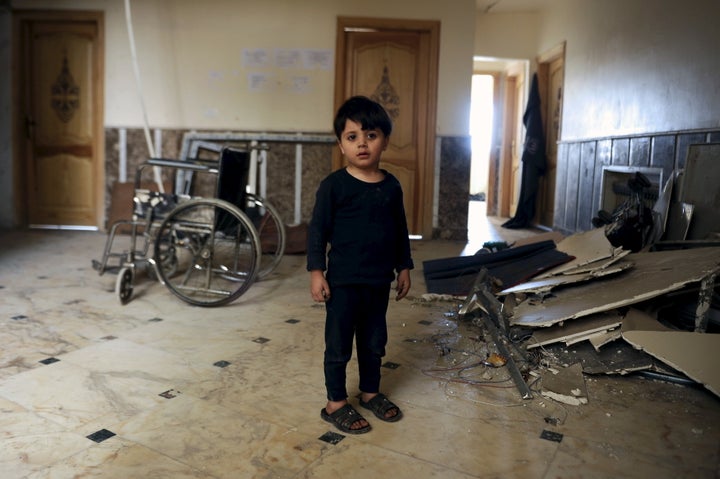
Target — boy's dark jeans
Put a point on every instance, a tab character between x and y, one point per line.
355	311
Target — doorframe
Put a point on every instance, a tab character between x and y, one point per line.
512	131
544	60
426	181
509	104
493	187
20	20
543	71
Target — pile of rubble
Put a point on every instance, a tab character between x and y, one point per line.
587	305
617	311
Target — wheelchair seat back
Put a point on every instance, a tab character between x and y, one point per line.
233	176
232	185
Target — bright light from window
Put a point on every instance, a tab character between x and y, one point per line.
481	123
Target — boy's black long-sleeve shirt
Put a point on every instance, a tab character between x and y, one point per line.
365	225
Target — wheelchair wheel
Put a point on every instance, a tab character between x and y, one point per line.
124	284
270	229
165	258
214	251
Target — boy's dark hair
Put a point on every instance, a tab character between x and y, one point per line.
368	113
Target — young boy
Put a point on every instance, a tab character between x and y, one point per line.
359	212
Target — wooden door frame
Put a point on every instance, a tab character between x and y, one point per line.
493	189
543	72
511	107
505	157
426	177
20	20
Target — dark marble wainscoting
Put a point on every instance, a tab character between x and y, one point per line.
580	168
316	164
132	141
453	194
453	189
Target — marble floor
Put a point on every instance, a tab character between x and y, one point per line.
158	388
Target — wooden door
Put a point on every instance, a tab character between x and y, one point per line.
61	145
551	74
395	63
513	142
495	186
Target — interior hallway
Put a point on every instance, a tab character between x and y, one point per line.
164	389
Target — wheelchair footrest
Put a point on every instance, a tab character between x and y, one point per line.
98	266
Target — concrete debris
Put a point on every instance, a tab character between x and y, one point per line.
592	313
567	386
434	297
654	274
602	312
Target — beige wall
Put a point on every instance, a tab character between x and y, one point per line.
507	35
637	66
632	66
190	55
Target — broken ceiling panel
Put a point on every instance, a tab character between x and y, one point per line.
695	354
637	320
595	266
567	386
575	331
586	247
618	358
599	340
547	284
654	274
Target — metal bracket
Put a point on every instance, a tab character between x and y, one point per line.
495	321
702	313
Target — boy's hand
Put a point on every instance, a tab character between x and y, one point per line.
319	288
403	284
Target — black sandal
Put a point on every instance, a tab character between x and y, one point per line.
381	405
344	418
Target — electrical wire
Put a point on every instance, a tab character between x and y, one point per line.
138	82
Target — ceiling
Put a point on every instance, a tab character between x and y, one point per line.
511	6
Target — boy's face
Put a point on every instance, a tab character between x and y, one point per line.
362	148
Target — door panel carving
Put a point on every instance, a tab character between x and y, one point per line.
396	66
62	155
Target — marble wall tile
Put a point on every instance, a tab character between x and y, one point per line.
317	163
454	188
454	182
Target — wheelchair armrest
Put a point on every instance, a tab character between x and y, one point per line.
183	165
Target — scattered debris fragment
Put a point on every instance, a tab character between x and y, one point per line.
575	331
695	354
567	386
495	360
654	274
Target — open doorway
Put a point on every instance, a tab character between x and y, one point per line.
481	135
496	130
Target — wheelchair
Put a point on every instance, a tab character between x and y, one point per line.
206	250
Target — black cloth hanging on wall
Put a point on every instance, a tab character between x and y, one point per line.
534	161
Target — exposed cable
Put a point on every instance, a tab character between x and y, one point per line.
138	82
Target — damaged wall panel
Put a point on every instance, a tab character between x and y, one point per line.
695	354
700	189
669	152
654	274
575	330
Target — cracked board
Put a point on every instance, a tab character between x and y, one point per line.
654	274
